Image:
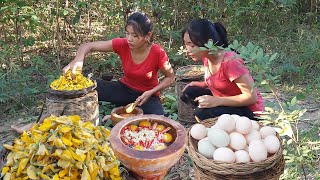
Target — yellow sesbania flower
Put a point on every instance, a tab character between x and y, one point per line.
71	82
62	148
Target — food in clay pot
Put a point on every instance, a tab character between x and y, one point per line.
247	141
149	163
127	115
146	136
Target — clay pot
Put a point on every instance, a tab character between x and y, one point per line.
117	114
149	165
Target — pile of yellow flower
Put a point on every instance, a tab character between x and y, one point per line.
62	148
71	81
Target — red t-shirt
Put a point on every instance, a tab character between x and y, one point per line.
144	76
221	83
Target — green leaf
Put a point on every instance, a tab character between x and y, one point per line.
250	46
65	12
260	54
273	57
209	44
53	12
294	101
203	48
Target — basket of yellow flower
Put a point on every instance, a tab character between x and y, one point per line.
71	85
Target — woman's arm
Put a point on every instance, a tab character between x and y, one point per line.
167	71
196	83
247	97
84	49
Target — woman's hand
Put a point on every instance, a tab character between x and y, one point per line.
74	65
144	97
84	49
207	101
195	83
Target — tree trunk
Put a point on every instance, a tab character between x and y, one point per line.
58	36
18	35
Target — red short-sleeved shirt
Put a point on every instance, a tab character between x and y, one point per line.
144	76
221	83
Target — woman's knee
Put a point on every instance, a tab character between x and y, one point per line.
153	106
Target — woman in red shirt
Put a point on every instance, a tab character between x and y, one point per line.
228	86
141	60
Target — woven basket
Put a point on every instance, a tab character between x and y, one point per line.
69	94
271	168
190	72
86	106
185	75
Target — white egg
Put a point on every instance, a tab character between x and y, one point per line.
218	137
235	117
257	151
205	138
198	131
242	156
243	125
253	135
226	122
266	131
206	148
255	125
215	126
272	143
224	154
237	141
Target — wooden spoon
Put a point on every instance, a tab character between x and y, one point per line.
130	107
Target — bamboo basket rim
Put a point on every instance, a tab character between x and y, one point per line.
224	168
189	68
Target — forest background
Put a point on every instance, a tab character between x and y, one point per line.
38	38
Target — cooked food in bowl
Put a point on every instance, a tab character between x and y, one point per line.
127	114
146	136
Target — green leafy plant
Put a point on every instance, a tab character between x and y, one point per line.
170	105
105	108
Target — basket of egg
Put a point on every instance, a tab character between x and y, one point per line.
235	147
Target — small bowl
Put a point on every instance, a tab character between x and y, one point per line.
119	113
149	165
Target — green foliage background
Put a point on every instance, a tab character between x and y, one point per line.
38	38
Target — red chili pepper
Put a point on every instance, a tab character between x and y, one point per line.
165	130
154	126
126	141
142	143
150	143
124	129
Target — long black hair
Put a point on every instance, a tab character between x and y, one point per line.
201	30
141	23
